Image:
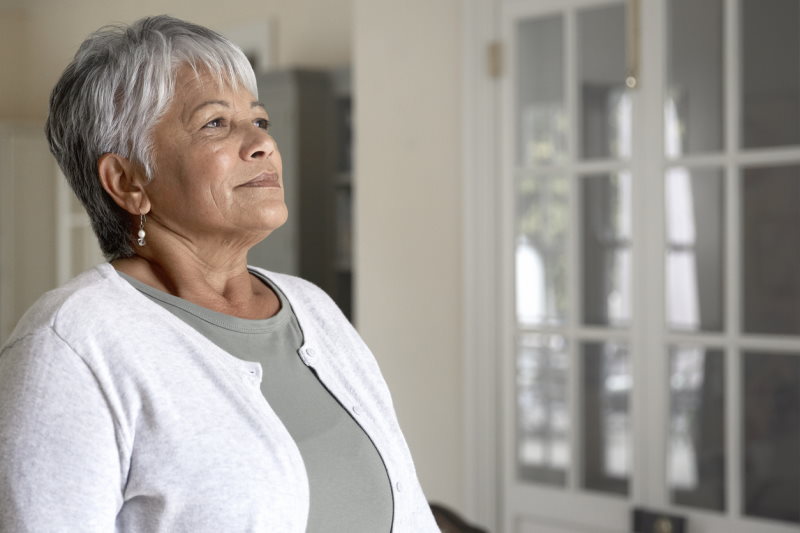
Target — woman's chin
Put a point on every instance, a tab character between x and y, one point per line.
272	219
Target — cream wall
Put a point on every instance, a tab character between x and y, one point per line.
408	220
13	24
310	33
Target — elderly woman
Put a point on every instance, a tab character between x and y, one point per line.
175	388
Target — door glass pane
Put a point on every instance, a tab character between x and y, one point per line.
695	258
542	409
770	250
606	442
770	73
606	248
605	103
541	248
696	447
694	103
772	436
541	126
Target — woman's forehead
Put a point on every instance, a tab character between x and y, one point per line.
196	80
193	86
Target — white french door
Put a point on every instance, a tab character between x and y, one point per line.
648	268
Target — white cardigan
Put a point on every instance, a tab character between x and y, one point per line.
115	415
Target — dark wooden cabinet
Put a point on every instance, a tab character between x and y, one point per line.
309	113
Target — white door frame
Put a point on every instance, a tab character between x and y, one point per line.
7	229
480	167
485	333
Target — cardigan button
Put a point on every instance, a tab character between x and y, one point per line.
398	486
356	410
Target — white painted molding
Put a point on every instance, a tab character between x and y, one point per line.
482	489
7	230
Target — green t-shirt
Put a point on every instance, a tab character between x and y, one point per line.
348	483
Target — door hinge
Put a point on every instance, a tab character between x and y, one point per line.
495	59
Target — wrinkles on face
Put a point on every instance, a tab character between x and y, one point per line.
204	146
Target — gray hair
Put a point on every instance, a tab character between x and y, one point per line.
111	95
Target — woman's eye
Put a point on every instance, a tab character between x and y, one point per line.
262	123
216	123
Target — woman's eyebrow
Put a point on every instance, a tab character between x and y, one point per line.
223	103
204	104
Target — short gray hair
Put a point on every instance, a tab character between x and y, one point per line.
111	95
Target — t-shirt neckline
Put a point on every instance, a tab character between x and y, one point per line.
223	320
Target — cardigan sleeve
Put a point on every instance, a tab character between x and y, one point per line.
59	456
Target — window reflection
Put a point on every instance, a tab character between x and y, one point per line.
543	133
695	249
542	410
607	452
770	73
696	447
542	122
772	435
606	247
693	109
770	251
542	222
605	103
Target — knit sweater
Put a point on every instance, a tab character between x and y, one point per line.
116	415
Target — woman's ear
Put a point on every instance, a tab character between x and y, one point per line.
125	182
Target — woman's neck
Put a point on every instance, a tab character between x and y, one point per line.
221	284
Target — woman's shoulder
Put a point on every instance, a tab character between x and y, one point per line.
92	295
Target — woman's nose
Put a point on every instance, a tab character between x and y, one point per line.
258	144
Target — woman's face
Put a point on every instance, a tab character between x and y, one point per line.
218	173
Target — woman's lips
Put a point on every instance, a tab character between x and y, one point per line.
265	179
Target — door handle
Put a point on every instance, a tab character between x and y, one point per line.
633	43
649	521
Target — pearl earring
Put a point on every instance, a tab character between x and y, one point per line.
141	233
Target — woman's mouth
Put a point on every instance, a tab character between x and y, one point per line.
265	179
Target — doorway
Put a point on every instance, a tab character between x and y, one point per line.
647	282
